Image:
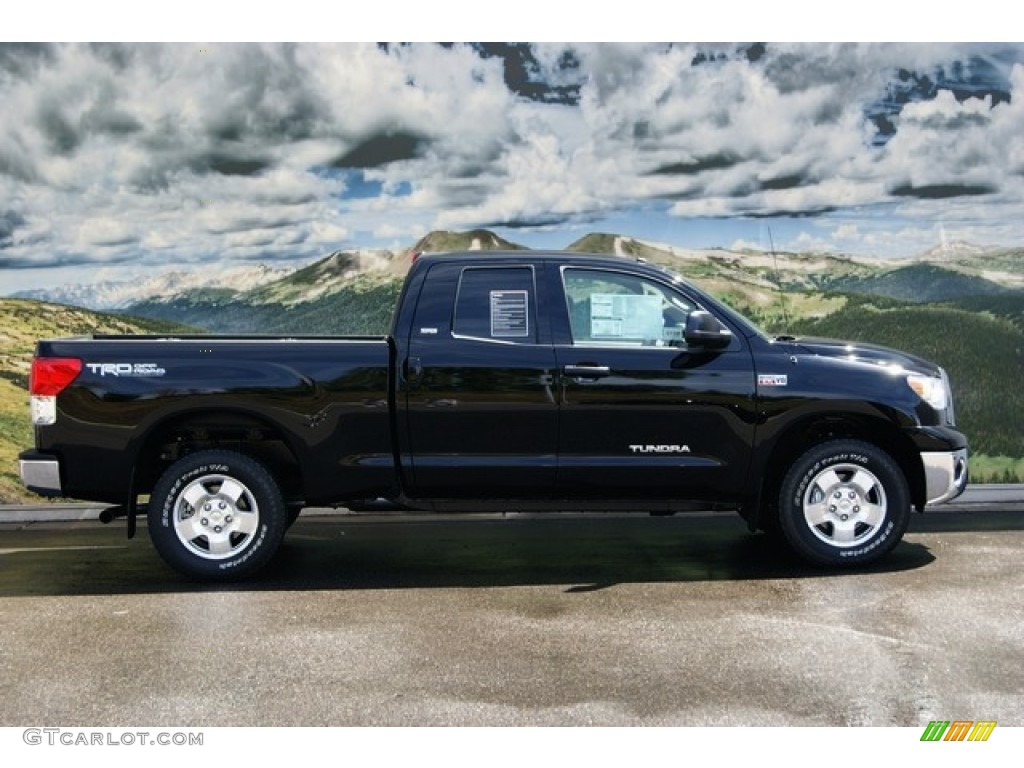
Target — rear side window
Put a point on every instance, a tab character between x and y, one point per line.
496	304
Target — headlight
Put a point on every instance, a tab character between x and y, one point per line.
931	389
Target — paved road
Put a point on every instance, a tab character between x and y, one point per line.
512	621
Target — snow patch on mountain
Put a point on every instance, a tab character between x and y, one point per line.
118	294
952	250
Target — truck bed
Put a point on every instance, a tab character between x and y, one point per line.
302	392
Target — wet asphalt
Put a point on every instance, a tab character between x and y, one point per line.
518	620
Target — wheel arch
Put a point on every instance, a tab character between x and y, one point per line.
810	431
179	434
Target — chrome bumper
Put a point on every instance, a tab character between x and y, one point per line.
945	475
41	476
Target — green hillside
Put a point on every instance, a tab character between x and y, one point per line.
918	283
1007	307
22	323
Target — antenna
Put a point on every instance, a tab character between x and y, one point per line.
778	280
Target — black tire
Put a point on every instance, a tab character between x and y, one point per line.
844	502
217	516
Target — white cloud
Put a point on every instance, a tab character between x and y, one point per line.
105	232
390	231
160	154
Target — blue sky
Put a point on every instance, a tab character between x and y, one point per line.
127	159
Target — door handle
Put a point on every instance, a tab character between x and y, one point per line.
587	371
413	368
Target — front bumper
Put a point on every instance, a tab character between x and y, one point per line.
945	475
40	473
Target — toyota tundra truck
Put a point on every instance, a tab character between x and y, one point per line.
509	381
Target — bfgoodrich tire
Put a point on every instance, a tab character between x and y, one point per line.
844	502
217	515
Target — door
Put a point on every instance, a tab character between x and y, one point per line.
642	415
482	411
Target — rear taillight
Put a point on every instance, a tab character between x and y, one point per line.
49	377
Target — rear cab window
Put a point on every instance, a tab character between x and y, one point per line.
496	304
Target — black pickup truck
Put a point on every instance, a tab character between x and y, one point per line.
510	381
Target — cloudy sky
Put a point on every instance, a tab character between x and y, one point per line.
121	158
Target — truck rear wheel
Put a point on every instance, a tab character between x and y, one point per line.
217	515
844	502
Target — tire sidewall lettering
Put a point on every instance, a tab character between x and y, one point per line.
879	539
809	466
245	470
249	551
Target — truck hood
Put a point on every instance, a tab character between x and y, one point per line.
863	352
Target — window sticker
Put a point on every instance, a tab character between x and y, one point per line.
625	316
510	316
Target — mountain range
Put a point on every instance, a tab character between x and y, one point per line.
119	294
353	291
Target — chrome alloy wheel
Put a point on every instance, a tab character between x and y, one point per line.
844	505
216	516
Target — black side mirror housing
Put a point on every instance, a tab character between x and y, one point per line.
704	331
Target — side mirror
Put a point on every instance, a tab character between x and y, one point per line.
703	330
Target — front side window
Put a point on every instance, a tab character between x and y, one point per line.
609	308
496	304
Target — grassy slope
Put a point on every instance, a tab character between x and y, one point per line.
22	323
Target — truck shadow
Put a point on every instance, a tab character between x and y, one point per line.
579	554
584	554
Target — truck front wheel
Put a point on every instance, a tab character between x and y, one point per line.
216	515
844	502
